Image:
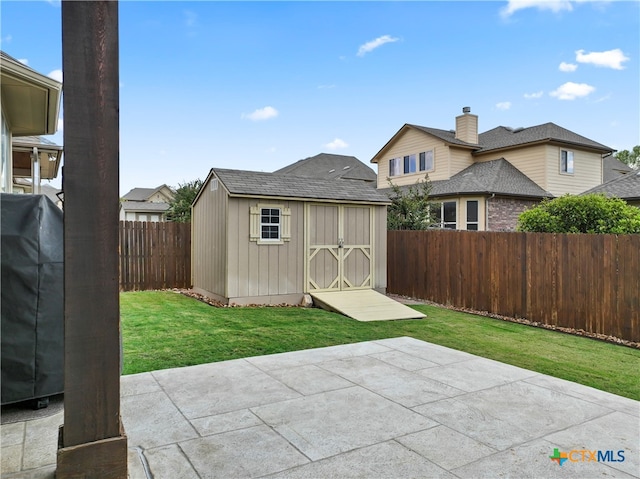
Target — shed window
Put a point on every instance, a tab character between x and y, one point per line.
270	224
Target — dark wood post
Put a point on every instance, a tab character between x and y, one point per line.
92	440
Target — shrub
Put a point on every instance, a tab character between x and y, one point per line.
594	213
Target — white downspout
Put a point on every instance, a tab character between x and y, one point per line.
35	171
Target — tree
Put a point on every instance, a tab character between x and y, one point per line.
594	213
631	158
410	208
180	206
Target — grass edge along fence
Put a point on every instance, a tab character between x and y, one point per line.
154	255
577	281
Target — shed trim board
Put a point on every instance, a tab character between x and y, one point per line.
305	200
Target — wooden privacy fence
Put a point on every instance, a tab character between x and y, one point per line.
154	255
579	281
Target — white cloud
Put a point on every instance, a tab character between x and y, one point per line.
24	61
373	44
571	91
533	96
6	39
503	105
56	75
60	125
609	59
567	67
336	144
190	18
553	5
261	114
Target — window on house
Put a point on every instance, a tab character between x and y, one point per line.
270	224
472	215
566	161
446	215
426	160
410	164
395	167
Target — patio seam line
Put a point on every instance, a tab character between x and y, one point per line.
429	460
574	396
184	454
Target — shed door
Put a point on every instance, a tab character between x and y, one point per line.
339	247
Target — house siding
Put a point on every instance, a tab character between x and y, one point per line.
263	270
502	212
532	161
414	142
587	171
209	241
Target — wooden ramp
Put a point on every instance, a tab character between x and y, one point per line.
364	305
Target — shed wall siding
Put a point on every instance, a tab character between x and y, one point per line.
380	248
209	231
256	270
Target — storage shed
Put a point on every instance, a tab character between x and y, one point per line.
265	238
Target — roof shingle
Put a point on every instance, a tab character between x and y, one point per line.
254	183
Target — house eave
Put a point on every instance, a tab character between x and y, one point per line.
30	101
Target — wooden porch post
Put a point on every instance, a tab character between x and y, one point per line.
92	441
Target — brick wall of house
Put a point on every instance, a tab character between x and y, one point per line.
502	213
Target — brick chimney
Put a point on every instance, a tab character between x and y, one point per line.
467	126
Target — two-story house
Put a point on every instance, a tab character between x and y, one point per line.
483	181
146	204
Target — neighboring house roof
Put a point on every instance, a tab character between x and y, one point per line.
144	206
503	137
626	187
488	177
253	183
330	166
612	168
142	194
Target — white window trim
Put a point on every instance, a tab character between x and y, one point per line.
255	228
573	165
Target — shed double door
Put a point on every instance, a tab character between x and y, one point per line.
339	247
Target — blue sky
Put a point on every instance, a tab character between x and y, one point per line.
260	85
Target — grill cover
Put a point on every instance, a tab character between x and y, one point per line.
32	303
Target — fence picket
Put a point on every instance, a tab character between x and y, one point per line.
588	282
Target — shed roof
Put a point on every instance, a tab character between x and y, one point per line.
254	183
626	187
328	165
488	177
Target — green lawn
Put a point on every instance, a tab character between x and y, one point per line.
163	329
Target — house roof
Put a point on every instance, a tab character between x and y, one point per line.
254	183
144	206
330	166
503	137
626	187
612	168
142	194
488	177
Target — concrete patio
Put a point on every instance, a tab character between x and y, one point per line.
394	408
